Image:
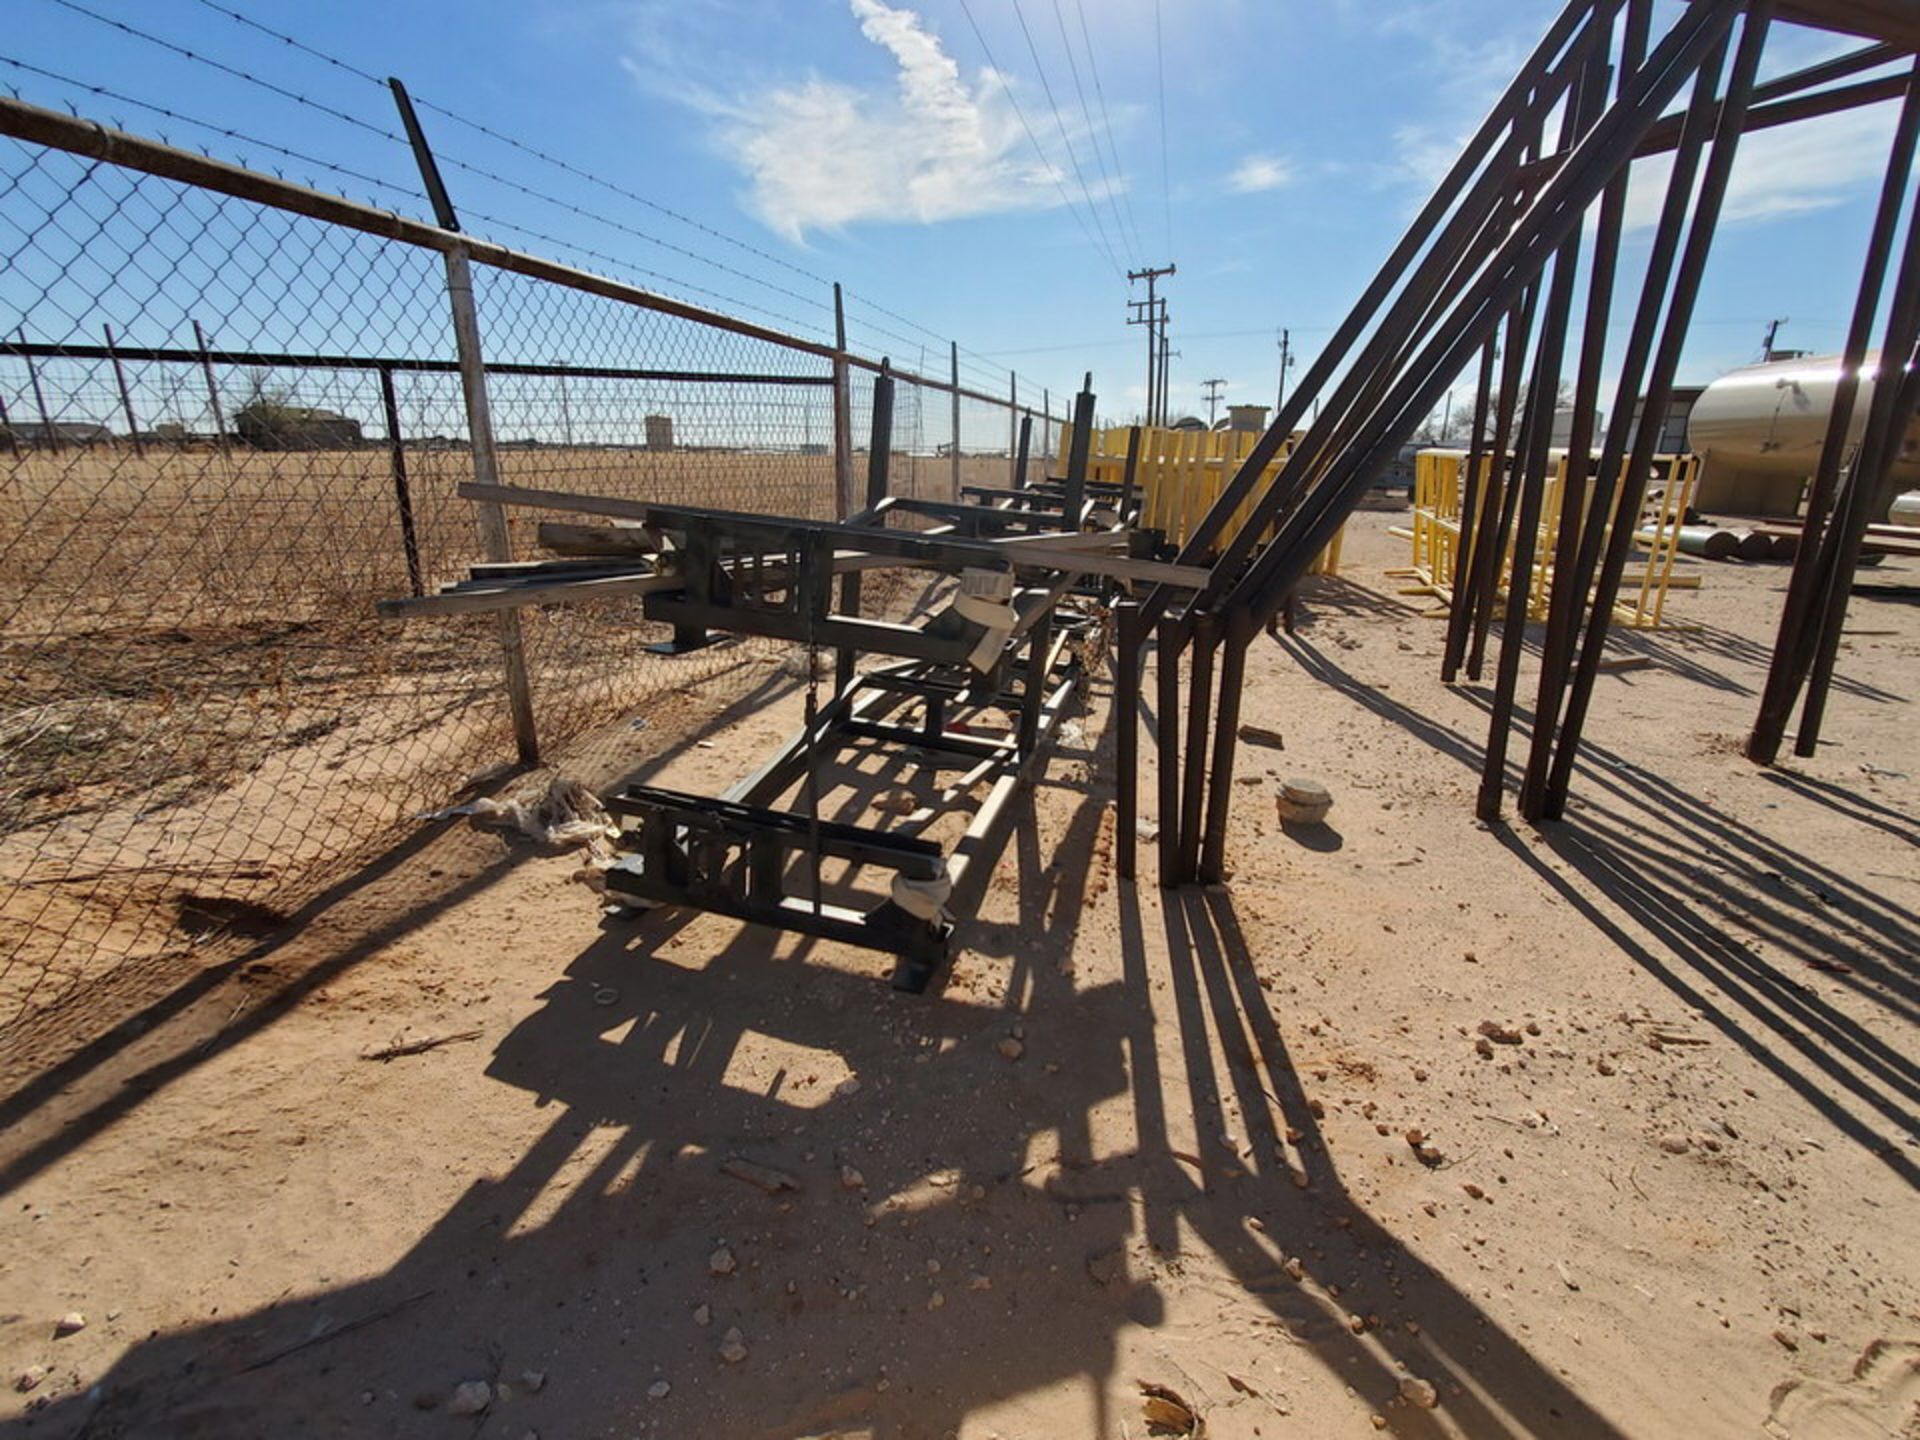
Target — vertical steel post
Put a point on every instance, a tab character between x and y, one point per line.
1226	738
49	436
879	460
1129	648
1015	478
842	413
1046	429
6	430
1021	453
1166	663
213	389
1077	457
126	395
954	354
1193	792
1129	475
402	492
492	518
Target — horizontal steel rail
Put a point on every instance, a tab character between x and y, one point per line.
94	141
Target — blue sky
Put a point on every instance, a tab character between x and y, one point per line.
875	143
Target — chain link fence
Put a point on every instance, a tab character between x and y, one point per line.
234	419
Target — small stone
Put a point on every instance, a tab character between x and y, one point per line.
1674	1143
1379	1420
71	1323
848	1086
1416	1391
470	1397
979	1282
936	1300
1416	1137
1429	1155
721	1262
1483	1047
1357	1324
1604	1065
1011	1048
851	1179
1787	1340
1500	1034
30	1377
1419	1073
1295	1270
1474	1192
703	1314
659	1390
733	1346
534	1380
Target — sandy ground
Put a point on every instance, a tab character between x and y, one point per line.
1679	1202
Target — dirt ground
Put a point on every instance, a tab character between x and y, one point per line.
1139	1137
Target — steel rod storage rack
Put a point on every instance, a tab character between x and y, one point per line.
1022	578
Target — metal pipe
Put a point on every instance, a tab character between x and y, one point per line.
1206	633
1565	600
1582	107
1312	524
1787	668
1686	288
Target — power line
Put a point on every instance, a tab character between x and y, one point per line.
482	172
1073	159
601	181
227	130
1038	149
1086	113
1106	122
226	69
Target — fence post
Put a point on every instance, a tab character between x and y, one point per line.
1046	429
49	436
842	413
486	471
126	396
402	492
1013	426
213	389
954	354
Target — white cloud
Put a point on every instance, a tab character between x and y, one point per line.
1789	170
1260	172
822	154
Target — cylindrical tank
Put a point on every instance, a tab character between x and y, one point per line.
1759	431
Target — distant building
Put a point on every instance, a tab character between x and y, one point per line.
659	432
60	432
1241	418
270	426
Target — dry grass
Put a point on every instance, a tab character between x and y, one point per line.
203	722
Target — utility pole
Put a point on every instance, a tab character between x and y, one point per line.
1286	363
1152	313
1213	399
1766	346
1166	353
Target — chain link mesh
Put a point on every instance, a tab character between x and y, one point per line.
223	422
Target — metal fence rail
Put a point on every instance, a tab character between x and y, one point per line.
233	413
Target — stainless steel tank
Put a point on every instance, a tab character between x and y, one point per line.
1759	431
